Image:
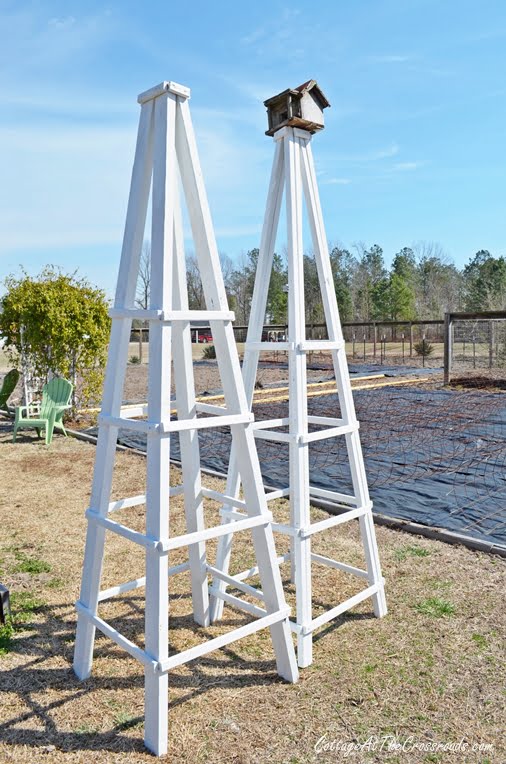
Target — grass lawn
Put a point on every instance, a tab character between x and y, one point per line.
430	670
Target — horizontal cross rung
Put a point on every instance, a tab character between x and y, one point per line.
221	641
131	648
137	313
281	493
170	316
193	652
264	346
322	493
329	432
166	545
237	602
134	501
231	581
266	424
210	408
261	432
231	514
174	425
137	583
177	425
326	421
198	315
223	498
254	571
128	586
309	346
137	501
122	530
323	525
339	565
132	412
136	425
342	608
287	530
281	437
210	533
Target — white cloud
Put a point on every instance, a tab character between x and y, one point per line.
68	185
281	32
63	186
337	182
391	59
405	166
52	100
32	44
371	156
62	23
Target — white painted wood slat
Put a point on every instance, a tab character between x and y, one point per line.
293	169
165	154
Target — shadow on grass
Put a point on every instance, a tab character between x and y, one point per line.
42	690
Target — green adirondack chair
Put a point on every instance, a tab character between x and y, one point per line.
8	385
48	414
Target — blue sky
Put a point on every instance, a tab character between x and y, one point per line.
414	145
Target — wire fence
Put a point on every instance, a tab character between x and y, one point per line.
479	345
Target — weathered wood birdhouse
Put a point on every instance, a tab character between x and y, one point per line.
301	107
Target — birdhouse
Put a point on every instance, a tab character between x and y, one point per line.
301	107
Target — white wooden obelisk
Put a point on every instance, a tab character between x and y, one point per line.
166	144
293	171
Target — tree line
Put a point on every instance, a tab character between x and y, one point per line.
422	282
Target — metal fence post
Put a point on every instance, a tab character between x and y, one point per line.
447	348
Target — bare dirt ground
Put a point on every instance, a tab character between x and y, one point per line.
430	672
207	379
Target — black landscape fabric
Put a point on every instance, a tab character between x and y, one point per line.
432	456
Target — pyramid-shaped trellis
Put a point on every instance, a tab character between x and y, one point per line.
293	172
165	148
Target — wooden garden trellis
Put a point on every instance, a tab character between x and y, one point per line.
165	143
293	170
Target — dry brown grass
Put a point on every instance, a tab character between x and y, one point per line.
410	673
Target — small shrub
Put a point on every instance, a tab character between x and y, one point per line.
209	352
423	348
135	359
6	631
31	565
56	583
410	551
435	608
480	640
23	605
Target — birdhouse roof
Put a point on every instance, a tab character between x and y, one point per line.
299	91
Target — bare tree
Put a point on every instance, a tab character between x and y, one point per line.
143	284
143	281
195	289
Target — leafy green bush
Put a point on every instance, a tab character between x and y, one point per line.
65	325
209	352
135	359
435	608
